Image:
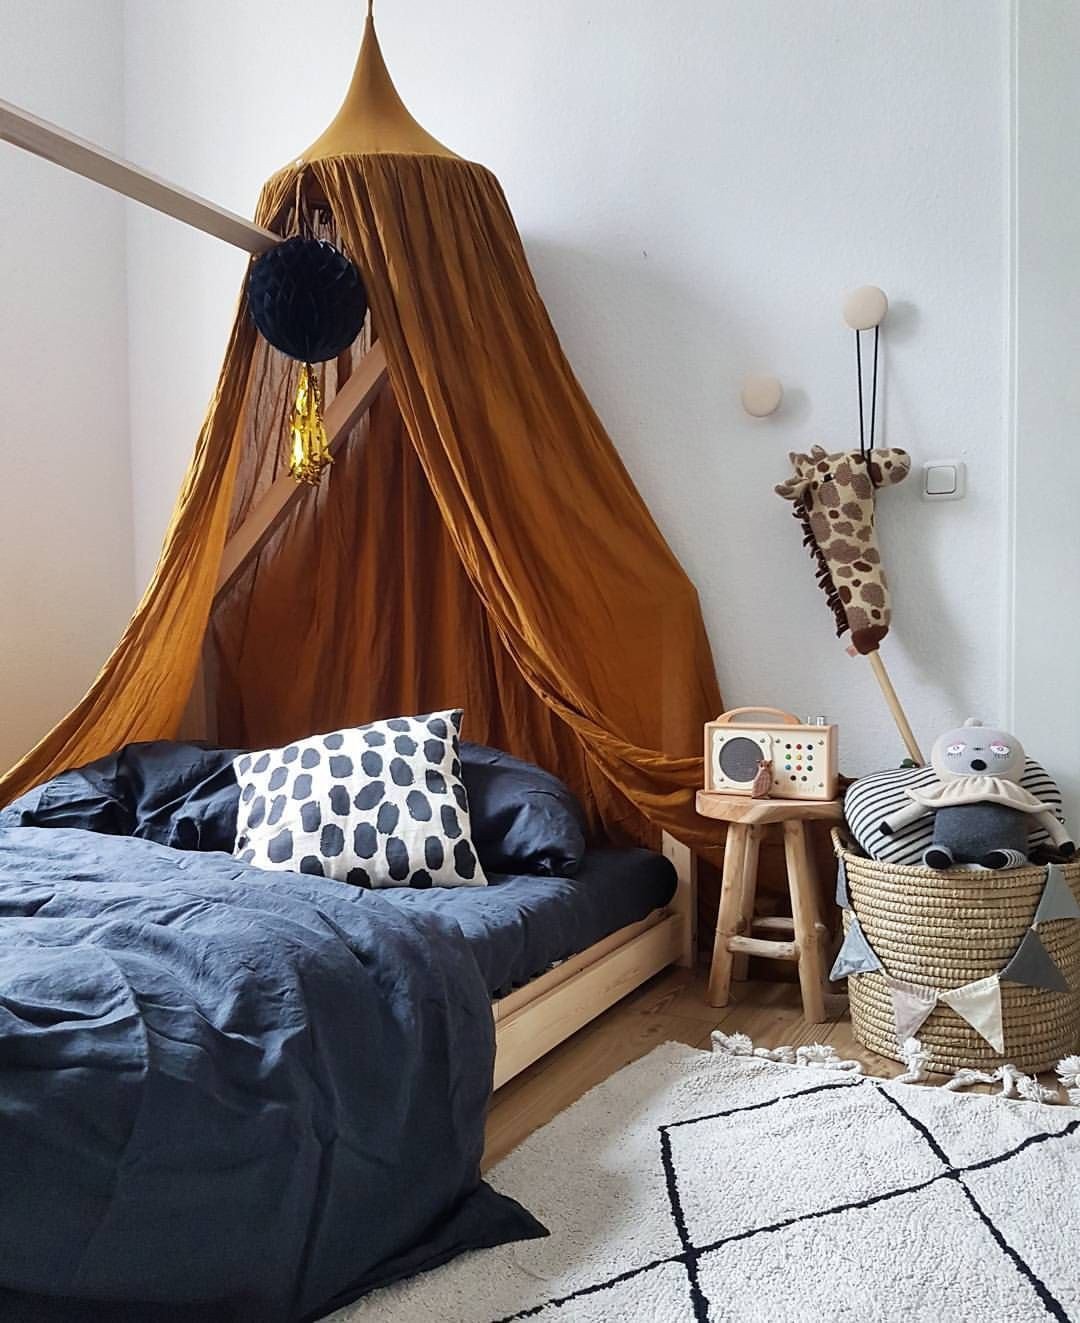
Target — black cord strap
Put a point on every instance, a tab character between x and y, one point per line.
864	449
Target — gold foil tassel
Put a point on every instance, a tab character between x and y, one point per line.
309	452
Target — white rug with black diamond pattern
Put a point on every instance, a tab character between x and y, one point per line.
698	1187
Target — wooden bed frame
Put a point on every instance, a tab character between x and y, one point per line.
531	1020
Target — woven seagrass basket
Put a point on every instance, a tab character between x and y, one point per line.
947	929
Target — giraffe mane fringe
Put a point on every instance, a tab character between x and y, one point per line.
824	574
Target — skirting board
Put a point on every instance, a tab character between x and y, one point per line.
535	1027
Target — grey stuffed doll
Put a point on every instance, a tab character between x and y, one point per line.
982	814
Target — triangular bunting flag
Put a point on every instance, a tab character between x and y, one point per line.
1058	901
912	1003
980	1005
842	897
1034	966
856	955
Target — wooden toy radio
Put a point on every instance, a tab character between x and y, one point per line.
778	759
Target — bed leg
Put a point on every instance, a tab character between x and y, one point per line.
684	902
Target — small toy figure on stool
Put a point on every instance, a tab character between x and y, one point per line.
981	811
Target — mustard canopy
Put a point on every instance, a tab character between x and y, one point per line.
477	542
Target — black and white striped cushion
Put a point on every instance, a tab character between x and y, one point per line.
874	797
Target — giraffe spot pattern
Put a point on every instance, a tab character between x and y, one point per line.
839	507
374	806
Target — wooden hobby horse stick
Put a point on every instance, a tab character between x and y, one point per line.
881	675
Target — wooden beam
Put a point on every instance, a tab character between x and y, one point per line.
55	144
342	414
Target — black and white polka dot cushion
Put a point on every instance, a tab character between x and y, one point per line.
381	805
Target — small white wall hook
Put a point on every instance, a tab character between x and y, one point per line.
865	307
761	395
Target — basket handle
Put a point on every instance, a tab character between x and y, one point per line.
727	718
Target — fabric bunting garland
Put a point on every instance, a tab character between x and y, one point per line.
978	1003
1034	967
1057	901
856	955
911	1003
842	897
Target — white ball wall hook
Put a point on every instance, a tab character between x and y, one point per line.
865	307
761	395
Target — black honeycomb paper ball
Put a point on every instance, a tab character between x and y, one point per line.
307	299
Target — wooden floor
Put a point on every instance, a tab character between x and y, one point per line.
671	1006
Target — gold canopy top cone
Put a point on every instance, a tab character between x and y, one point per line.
372	118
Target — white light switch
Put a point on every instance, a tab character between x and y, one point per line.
944	480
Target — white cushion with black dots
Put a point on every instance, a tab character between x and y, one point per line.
381	805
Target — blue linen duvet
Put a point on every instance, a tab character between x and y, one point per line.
227	1094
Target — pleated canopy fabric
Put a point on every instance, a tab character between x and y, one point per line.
477	542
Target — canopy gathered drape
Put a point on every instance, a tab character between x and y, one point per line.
476	542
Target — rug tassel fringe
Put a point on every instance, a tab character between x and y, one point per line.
1014	1083
812	1054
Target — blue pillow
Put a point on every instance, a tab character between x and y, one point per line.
181	795
524	820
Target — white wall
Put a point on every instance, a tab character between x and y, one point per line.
1046	438
697	183
66	584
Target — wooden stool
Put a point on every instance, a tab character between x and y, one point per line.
747	819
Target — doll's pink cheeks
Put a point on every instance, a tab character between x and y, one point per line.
1000	750
954	749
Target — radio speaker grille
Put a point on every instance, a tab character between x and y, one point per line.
739	759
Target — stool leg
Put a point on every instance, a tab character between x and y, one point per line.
727	918
808	930
740	965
